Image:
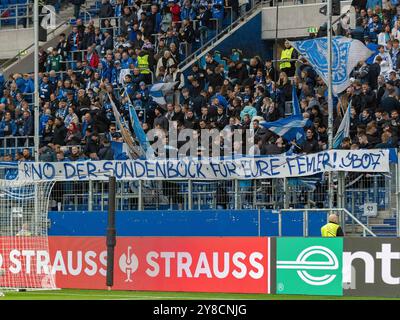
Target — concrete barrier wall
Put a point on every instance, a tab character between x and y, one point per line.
293	21
14	40
25	64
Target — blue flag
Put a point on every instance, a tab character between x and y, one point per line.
344	129
295	102
290	128
346	53
158	91
137	128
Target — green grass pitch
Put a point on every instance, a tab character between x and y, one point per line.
75	294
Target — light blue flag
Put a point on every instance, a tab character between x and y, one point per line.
295	102
290	128
346	53
344	129
158	91
139	132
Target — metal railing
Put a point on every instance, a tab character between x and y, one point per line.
192	58
24	52
17	12
305	194
341	212
282	194
183	195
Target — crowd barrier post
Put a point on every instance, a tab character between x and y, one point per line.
190	195
286	198
305	222
90	200
140	195
236	193
279	223
340	190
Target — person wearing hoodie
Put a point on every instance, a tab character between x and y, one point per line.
249	110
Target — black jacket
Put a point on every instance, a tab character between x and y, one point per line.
106	10
373	73
310	146
106	153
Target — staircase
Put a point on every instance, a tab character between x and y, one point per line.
384	225
221	36
23	61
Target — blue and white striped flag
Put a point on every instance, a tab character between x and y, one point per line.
346	53
295	102
344	129
158	91
290	128
140	134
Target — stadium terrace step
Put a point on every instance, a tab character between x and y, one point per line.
384	230
391	221
384	235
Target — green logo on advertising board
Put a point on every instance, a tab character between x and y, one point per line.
309	266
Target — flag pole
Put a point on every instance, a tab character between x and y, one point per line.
330	100
36	78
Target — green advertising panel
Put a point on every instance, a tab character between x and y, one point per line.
309	266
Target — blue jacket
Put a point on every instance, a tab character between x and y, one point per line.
188	13
42	122
29	89
131	34
373	29
157	22
27	128
20	84
44	91
126	63
218	9
108	72
11	127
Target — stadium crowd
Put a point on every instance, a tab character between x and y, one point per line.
234	92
